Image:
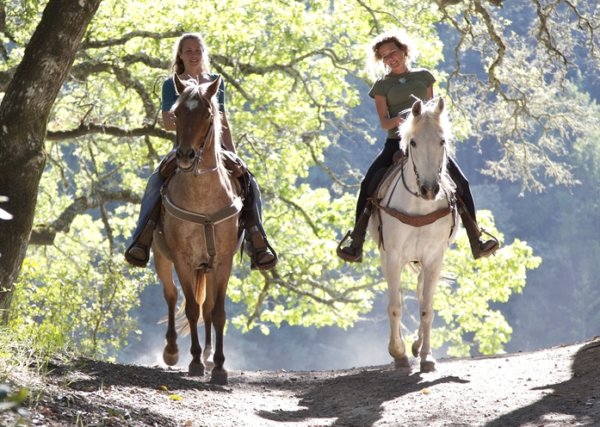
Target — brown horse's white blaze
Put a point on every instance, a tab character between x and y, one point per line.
420	194
197	233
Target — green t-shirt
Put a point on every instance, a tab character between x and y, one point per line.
398	88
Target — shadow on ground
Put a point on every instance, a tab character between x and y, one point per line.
578	397
355	400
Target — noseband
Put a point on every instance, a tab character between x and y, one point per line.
417	176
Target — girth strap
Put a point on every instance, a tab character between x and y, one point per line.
208	221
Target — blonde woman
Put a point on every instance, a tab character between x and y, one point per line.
191	61
397	87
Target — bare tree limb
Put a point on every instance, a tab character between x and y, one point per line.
91	128
44	234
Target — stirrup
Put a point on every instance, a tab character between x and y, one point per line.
132	255
346	256
492	248
257	254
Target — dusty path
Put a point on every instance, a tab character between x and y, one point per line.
553	387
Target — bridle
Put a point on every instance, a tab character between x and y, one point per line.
417	176
198	153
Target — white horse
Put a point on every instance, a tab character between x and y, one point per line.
415	221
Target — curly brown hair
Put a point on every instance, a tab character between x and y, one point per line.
375	66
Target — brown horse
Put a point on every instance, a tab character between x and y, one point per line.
197	231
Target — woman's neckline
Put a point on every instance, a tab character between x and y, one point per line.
393	74
204	77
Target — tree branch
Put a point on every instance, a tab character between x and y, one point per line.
90	129
44	234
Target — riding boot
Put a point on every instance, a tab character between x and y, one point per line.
353	251
479	247
262	255
138	251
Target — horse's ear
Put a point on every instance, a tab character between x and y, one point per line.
440	105
179	85
416	108
213	87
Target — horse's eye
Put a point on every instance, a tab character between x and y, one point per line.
443	142
413	143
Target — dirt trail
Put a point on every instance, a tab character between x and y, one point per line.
552	387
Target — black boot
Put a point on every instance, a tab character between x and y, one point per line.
138	252
480	248
262	255
353	251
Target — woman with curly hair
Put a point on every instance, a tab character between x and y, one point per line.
398	85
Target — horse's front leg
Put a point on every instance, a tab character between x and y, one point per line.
207	309
392	272
164	270
219	374
428	279
188	278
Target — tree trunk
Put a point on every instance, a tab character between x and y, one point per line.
23	118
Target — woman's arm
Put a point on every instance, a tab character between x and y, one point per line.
387	122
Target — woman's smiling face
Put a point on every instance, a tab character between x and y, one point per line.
191	54
392	56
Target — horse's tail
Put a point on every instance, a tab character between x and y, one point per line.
183	326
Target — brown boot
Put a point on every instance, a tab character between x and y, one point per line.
263	256
480	248
353	251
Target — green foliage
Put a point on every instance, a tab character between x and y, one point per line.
80	303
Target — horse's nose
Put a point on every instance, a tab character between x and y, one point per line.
430	192
185	157
185	154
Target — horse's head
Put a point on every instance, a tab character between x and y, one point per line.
424	139
197	121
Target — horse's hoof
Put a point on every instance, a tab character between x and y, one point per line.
416	347
401	363
219	377
427	366
196	369
170	359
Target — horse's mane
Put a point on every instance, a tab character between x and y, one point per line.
194	90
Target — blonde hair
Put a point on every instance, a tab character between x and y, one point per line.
375	66
177	66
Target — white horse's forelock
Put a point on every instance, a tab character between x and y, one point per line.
409	127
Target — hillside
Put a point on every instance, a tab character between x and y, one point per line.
551	387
